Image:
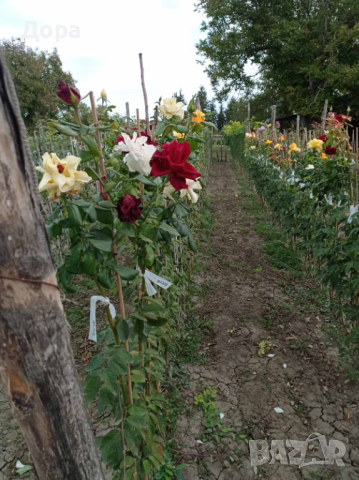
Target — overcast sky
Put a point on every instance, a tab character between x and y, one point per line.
112	34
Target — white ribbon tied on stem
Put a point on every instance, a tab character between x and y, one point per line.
93	305
153	278
353	210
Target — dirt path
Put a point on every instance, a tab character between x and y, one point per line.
250	301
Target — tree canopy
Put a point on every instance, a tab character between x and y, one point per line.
305	50
36	75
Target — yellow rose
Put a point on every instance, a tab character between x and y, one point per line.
198	116
268	142
316	144
323	156
178	135
293	148
61	176
282	138
277	146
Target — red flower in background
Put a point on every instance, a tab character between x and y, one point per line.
142	134
330	150
323	138
173	161
64	92
128	208
339	118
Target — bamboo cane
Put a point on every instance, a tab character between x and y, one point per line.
128	123
144	93
138	121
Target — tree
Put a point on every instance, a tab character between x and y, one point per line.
203	99
36	360
36	75
180	96
221	119
306	50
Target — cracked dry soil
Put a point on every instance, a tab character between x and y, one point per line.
311	391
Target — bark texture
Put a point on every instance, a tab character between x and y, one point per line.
36	360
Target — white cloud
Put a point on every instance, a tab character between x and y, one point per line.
112	33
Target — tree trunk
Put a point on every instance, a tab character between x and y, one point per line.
36	360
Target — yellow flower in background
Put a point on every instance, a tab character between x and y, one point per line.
282	138
178	135
103	93
277	146
316	144
293	148
268	142
198	116
61	176
323	156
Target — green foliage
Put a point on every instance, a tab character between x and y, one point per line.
305	52
212	419
36	75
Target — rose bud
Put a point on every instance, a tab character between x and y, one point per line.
68	94
128	208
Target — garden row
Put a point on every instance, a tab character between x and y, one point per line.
126	204
312	189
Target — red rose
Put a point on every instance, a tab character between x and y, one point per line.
323	138
339	118
64	92
149	140
128	208
330	150
173	161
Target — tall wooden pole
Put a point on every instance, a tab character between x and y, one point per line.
249	118
36	359
273	117
128	123
138	121
144	94
324	114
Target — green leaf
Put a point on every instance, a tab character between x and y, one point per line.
86	156
74	215
191	242
89	264
107	396
104	278
136	421
115	368
144	180
125	229
122	357
23	470
160	128
104	216
168	228
109	186
146	466
91	144
100	240
64	129
112	448
53	230
137	376
95	363
150	256
110	380
210	124
181	129
126	273
141	411
123	330
91	388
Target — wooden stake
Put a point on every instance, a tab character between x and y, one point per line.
138	121
324	114
128	123
273	117
144	94
298	129
249	118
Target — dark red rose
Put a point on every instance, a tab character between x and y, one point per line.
173	161
330	150
119	139
149	139
128	208
339	118
323	138
64	92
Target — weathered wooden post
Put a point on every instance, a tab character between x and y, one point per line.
36	360
249	118
273	117
324	114
144	93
